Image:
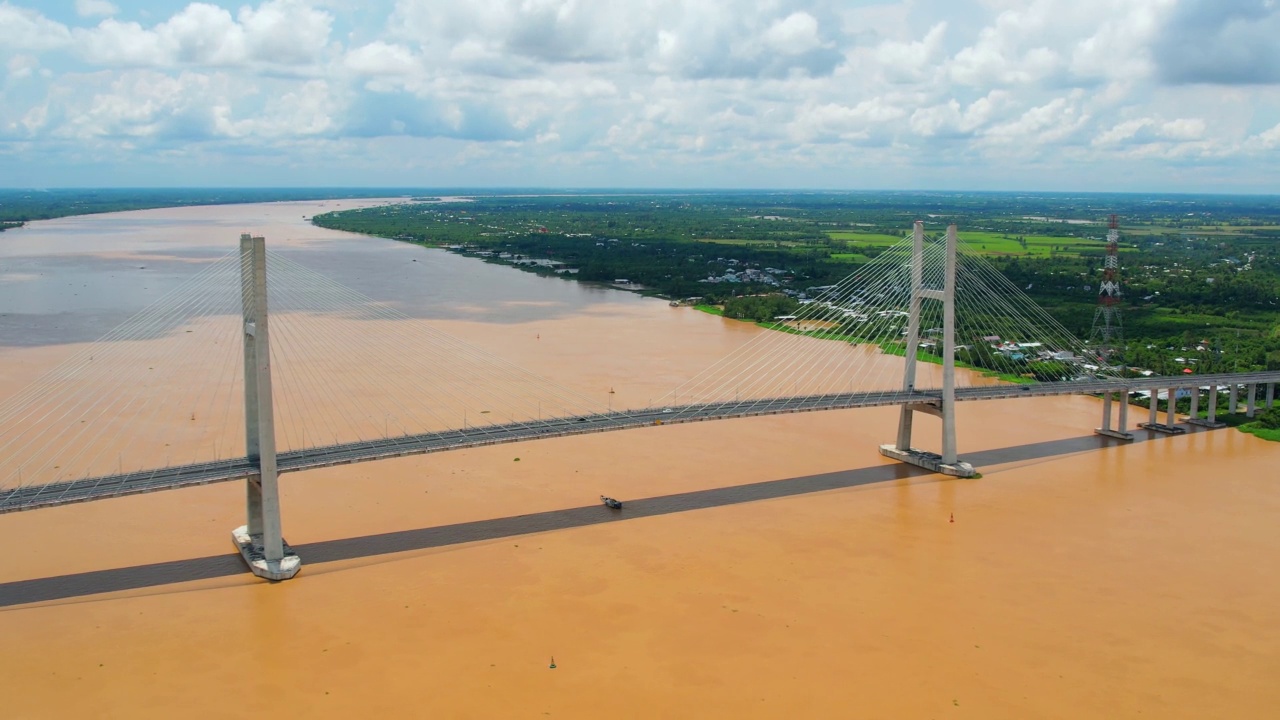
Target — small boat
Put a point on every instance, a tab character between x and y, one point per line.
611	503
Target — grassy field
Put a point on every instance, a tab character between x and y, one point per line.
987	243
850	257
866	239
990	243
768	243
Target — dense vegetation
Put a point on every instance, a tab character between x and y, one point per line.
1201	274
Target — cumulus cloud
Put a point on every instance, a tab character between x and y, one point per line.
1269	140
1221	42
21	66
282	32
25	29
949	119
1143	131
707	38
796	86
381	58
95	8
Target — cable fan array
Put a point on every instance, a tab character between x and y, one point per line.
165	388
851	337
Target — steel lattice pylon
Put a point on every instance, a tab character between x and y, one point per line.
1108	330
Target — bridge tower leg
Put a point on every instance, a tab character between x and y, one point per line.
946	463
913	335
260	541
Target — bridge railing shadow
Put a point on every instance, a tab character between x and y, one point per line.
79	585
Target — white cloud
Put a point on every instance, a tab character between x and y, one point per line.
949	119
913	61
95	8
796	34
1152	130
1045	124
1269	140
24	29
832	122
690	88
282	32
21	66
380	58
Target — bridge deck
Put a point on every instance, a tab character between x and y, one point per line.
59	493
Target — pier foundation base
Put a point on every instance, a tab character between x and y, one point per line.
1118	434
1162	428
250	547
928	461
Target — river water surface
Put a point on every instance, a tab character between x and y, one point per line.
764	567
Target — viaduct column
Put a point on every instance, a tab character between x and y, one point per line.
1122	429
1211	409
260	541
1169	427
944	408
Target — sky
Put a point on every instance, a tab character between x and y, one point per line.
1051	95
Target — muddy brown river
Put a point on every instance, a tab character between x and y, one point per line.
761	568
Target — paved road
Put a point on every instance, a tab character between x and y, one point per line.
31	497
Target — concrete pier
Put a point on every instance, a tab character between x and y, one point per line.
1120	431
1153	417
1251	398
1211	421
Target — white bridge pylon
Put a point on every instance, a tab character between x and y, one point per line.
260	539
946	463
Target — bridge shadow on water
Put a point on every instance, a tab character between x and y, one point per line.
77	585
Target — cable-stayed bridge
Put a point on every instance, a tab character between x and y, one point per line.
205	386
